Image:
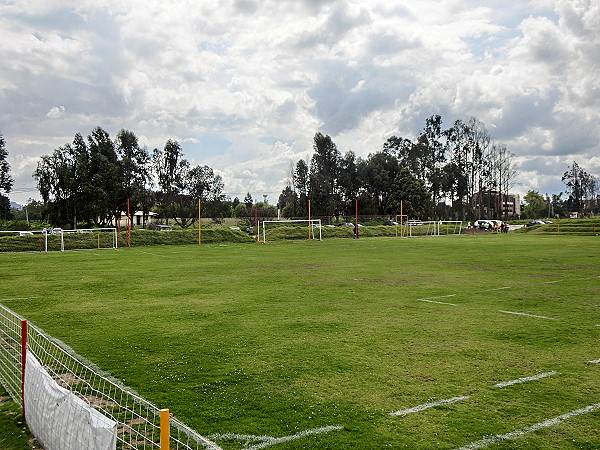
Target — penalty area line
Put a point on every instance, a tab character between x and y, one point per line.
595	361
528	315
538	426
428	405
17	298
433	301
524	379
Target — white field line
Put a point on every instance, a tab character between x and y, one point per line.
497	289
528	315
441	296
439	303
596	361
266	441
524	379
428	405
520	432
431	299
16	298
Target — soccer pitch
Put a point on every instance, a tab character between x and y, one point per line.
487	341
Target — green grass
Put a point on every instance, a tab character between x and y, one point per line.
14	434
276	339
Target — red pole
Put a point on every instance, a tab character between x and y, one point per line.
128	241
256	222
356	226
23	360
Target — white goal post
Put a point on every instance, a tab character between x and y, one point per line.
433	228
312	224
80	239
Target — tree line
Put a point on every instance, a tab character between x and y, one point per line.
460	172
92	180
442	173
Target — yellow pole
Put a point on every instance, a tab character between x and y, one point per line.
165	429
309	219
199	233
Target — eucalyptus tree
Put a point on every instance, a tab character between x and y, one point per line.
135	172
6	181
580	186
301	184
323	176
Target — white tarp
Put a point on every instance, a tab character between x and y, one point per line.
59	419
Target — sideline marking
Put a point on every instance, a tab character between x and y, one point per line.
529	315
16	298
521	431
497	289
596	361
524	379
428	405
433	301
266	441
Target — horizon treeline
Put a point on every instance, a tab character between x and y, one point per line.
442	173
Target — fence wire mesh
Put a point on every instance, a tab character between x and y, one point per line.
138	420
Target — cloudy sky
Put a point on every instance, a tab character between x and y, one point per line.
244	85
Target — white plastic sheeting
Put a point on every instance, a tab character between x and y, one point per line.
59	419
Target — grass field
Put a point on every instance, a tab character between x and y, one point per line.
370	343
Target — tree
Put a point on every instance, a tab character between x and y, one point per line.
301	182
411	191
6	181
171	169
378	176
323	176
288	197
580	186
135	173
248	200
535	206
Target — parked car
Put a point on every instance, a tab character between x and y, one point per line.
390	223
413	223
483	224
52	231
535	222
346	224
163	228
24	233
235	228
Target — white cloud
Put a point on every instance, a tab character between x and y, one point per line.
56	112
230	79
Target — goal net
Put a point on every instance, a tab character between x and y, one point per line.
291	229
57	239
433	228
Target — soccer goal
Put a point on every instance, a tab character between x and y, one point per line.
291	229
89	239
433	228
